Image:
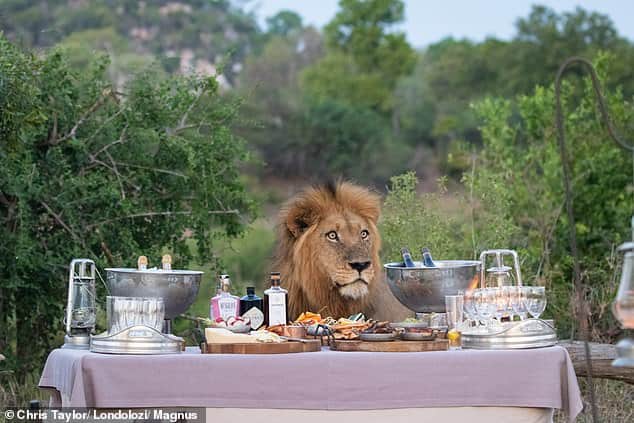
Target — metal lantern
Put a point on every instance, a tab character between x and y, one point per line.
500	275
81	312
623	307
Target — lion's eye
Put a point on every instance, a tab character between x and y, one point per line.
332	235
365	234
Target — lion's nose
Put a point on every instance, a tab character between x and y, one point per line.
360	266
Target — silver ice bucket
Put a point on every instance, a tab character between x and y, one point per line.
177	288
423	289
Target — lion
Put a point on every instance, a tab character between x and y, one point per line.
328	253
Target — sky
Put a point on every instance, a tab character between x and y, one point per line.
427	21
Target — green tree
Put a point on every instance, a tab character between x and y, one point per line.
284	23
365	56
89	171
274	113
362	29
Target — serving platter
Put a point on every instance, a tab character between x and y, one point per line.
288	347
393	346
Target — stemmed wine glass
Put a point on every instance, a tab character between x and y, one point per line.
501	303
516	302
535	300
469	306
484	302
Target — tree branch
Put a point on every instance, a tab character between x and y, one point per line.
71	134
63	224
153	214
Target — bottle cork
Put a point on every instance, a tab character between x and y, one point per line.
167	262
142	263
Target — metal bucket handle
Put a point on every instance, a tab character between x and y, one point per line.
499	254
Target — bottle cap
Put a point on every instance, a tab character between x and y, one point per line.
275	278
250	290
142	263
167	262
405	250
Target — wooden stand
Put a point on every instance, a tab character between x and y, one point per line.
391	346
309	345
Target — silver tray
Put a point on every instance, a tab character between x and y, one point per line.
417	336
377	337
136	340
529	333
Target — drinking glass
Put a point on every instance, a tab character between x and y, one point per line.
508	309
516	303
535	300
501	301
454	307
469	306
484	306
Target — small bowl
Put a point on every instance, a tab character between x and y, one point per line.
410	325
417	336
239	328
377	337
294	331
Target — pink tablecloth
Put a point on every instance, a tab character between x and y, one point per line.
325	380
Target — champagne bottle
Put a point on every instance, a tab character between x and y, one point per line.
427	260
407	257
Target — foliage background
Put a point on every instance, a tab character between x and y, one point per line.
189	107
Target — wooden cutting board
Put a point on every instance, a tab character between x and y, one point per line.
391	346
311	345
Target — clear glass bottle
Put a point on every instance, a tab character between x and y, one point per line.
252	306
224	305
275	302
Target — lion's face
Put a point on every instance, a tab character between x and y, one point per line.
328	248
345	241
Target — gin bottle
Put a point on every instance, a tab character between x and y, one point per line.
252	306
275	302
224	305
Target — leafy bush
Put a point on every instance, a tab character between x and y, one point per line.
513	198
453	226
86	170
521	153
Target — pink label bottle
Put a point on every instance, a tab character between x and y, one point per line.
224	305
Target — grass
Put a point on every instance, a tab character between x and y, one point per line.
615	401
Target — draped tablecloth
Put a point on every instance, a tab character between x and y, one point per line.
325	380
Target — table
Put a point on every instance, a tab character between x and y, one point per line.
309	384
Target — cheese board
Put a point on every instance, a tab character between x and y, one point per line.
288	347
391	346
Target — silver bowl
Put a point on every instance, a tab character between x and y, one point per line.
178	288
423	289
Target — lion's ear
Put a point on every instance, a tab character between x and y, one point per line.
299	217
